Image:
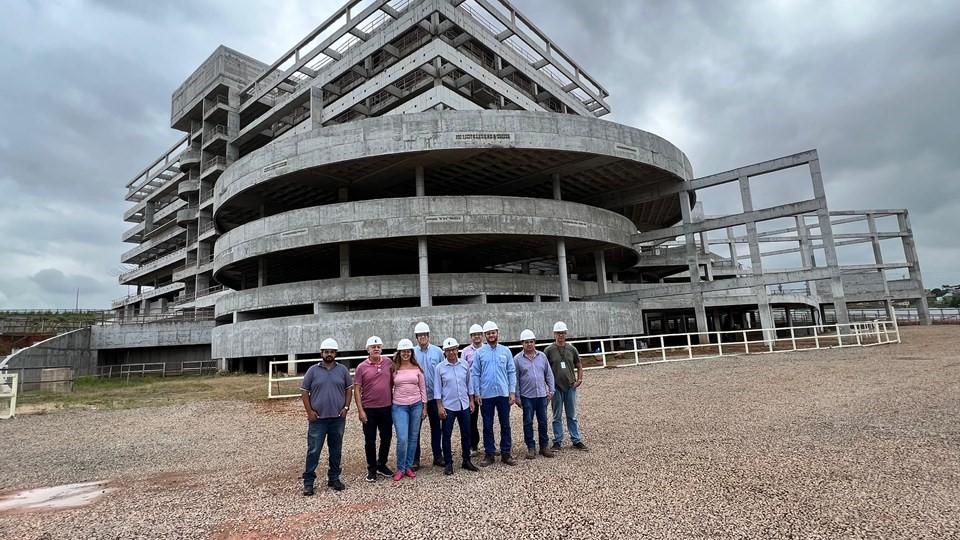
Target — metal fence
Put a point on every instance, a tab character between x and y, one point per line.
157	369
654	349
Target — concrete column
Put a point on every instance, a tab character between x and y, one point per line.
163	304
601	265
291	364
424	269
693	267
561	249
786	315
344	260
829	247
537	299
910	254
525	268
148	210
261	272
878	259
732	246
807	259
261	365
760	291
562	267
222	364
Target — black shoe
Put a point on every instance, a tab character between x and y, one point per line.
507	459
487	460
469	466
580	446
555	447
337	485
371	476
448	470
438	462
383	470
307	491
496	453
415	467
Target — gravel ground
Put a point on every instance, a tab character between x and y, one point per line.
858	443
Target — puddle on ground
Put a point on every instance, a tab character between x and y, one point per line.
53	498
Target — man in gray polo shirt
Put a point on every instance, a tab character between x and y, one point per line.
326	393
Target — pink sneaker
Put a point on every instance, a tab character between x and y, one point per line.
411	474
397	476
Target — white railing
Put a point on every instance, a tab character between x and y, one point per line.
8	391
655	349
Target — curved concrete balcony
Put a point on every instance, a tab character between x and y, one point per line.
528	225
478	152
394	287
189	158
302	334
187	188
187	215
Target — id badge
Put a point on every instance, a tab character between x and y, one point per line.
563	365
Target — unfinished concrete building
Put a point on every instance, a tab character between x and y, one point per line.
446	161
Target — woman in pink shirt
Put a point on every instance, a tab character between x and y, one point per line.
409	407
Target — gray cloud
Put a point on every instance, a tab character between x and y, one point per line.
872	85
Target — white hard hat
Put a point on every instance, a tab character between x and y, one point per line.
405	344
526	335
476	329
374	340
421	328
490	325
450	342
560	326
329	343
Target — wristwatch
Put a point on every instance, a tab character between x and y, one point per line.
346	408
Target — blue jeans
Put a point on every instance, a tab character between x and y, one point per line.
406	422
330	429
500	404
565	399
533	406
463	419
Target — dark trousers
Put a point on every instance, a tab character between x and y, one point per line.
500	404
331	430
378	419
474	431
531	407
434	416
462	418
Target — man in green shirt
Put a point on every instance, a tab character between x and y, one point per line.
568	376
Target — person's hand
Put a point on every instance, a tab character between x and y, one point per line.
513	399
312	415
577	383
472	408
550	397
363	416
479	402
423	413
442	412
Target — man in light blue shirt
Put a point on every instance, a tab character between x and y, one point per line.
428	356
493	380
451	389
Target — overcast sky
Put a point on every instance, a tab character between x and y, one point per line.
874	86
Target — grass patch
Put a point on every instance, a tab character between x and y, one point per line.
90	392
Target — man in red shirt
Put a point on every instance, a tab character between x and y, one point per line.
373	382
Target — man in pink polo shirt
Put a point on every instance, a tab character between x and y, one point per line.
373	383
